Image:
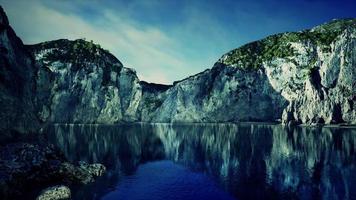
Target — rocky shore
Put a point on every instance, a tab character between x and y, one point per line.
26	169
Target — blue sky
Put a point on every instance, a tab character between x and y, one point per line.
166	41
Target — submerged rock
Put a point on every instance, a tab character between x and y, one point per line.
58	192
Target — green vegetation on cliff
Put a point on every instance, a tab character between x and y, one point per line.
80	54
77	52
252	55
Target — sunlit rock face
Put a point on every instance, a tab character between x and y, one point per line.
319	81
221	94
309	76
249	161
80	82
17	83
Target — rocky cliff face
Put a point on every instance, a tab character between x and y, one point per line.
222	94
17	84
78	82
309	76
319	79
302	77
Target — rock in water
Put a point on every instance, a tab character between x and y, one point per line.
95	169
58	192
83	173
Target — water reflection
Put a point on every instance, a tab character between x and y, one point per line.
250	161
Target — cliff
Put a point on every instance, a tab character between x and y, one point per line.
17	84
301	77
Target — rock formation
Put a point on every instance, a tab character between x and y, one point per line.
303	77
59	192
17	84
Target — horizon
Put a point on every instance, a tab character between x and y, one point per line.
185	41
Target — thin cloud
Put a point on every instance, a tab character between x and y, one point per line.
138	48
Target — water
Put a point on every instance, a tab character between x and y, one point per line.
213	161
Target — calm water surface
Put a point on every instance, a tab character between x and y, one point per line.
213	161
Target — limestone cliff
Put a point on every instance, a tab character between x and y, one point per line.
309	76
78	82
301	77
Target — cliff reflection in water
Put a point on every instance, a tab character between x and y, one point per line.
249	161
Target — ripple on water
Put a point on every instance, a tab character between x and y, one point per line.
166	180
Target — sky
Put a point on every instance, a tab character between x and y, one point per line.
164	40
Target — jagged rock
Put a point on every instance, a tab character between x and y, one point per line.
59	192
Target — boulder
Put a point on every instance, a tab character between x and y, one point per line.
58	192
82	173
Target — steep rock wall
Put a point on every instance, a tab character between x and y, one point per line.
17	84
81	83
300	77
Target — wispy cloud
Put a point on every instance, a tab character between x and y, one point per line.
144	49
